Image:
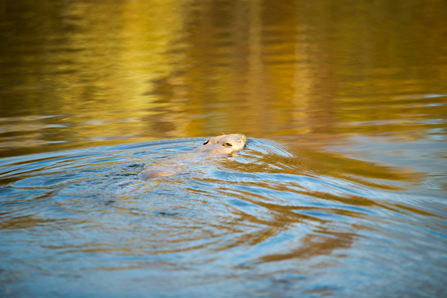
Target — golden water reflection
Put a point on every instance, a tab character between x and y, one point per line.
120	71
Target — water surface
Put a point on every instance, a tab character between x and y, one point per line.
341	191
269	222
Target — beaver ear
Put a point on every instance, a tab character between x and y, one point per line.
206	142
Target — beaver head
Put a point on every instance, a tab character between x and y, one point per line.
223	145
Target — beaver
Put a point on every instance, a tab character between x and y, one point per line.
224	145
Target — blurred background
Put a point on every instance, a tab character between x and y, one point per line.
323	73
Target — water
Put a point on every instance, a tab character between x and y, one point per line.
341	191
269	222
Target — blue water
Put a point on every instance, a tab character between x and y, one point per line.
271	222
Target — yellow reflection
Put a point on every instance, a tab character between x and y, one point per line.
107	64
134	70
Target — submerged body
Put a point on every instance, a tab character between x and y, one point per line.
225	145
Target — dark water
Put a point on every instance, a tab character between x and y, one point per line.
341	191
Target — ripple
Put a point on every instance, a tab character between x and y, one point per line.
274	213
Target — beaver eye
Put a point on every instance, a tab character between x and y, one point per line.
228	145
206	142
